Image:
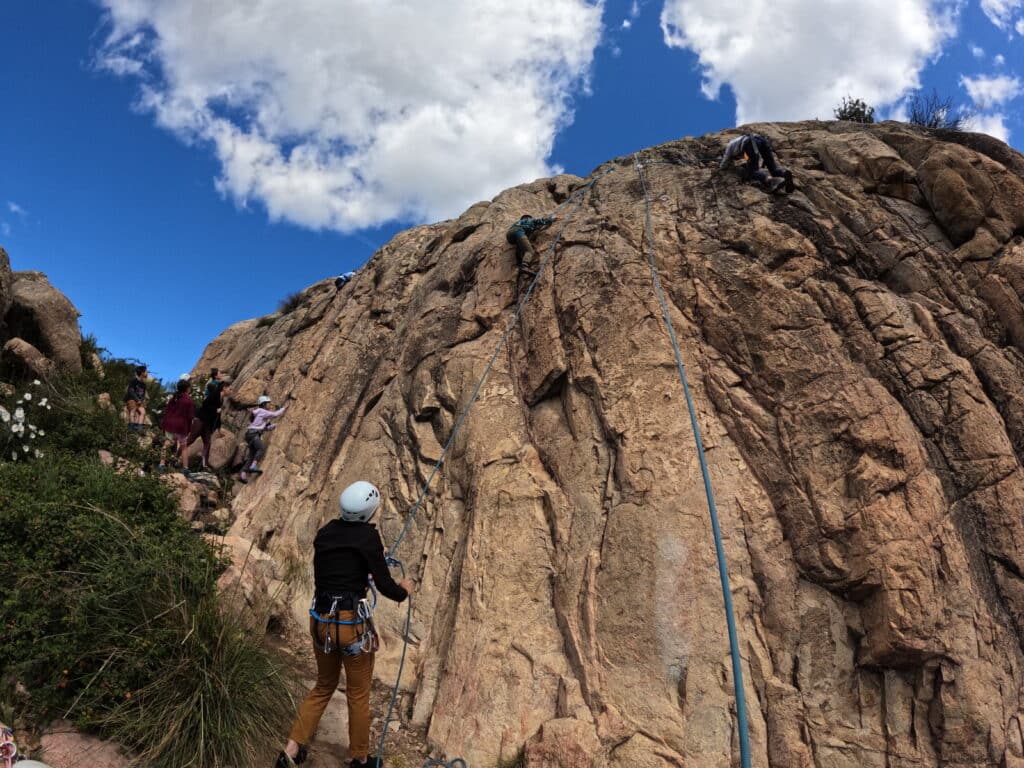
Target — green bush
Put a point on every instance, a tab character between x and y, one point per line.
109	610
854	111
110	616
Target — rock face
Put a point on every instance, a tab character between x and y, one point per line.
45	318
856	353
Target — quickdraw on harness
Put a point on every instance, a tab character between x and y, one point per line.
367	639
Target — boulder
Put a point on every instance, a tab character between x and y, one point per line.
21	356
252	576
224	449
190	495
46	318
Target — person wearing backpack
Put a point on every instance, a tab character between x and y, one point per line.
207	418
261	422
177	422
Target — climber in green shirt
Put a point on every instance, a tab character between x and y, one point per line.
519	235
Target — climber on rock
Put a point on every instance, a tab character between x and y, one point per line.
347	551
755	151
207	419
519	235
342	280
135	399
262	422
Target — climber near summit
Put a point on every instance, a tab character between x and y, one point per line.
342	280
346	551
755	150
519	235
262	418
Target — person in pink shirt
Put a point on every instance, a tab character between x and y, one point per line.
177	422
262	417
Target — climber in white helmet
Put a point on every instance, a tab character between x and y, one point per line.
262	421
346	552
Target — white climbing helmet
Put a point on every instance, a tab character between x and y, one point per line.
359	501
263	400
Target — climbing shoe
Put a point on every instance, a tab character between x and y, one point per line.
284	761
790	186
775	184
370	762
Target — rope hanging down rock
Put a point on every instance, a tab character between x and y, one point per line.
576	199
723	569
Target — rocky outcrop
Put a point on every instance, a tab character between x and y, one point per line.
856	353
45	318
27	361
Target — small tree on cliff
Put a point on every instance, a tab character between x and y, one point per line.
935	111
854	111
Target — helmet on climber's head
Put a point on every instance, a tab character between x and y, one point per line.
263	400
359	501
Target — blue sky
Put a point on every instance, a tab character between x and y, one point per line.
175	168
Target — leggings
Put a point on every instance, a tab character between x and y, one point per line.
257	450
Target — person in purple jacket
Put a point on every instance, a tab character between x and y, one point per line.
262	418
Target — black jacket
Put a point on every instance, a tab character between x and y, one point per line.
344	554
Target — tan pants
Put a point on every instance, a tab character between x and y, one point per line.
358	679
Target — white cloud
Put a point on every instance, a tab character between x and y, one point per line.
343	114
1019	26
794	59
5	228
999	60
634	9
16	209
626	23
993	124
1001	12
977	51
987	91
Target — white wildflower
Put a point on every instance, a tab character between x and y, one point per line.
27	396
38	454
25	447
32	436
5	415
19	414
49	407
36	382
14	455
44	401
42	433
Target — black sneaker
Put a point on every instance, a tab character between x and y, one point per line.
790	186
284	761
370	762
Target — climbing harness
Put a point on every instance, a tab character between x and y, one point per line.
723	569
367	640
576	198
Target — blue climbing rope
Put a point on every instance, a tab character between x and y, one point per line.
723	569
577	199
